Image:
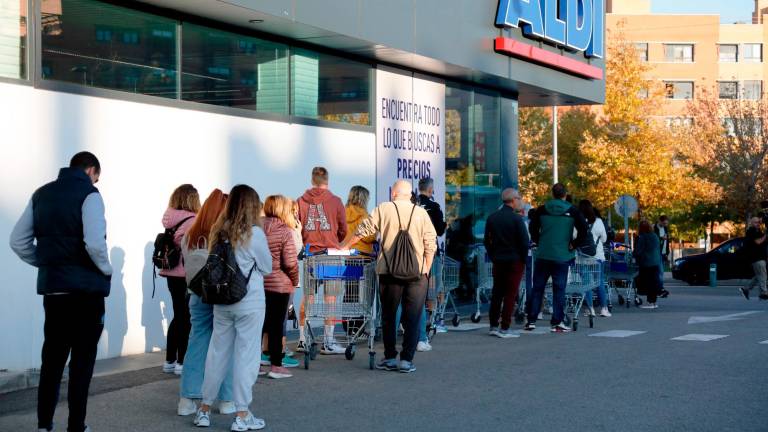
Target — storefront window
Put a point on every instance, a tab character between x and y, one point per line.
331	88
222	68
101	45
13	38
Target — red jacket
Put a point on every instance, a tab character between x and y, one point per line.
323	219
285	264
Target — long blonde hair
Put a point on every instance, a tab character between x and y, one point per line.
358	196
185	197
241	214
281	207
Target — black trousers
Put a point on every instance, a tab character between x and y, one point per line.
178	330
73	326
277	307
412	295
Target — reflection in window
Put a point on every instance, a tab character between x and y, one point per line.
330	88
752	52
752	90
101	45
728	53
13	38
678	89
221	68
678	53
728	89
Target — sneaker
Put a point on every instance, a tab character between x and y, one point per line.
332	348
248	423
186	407
387	365
265	361
279	373
441	328
179	369
529	326
560	328
664	294
301	347
202	419
604	312
763	296
744	292
169	367
504	334
494	331
290	362
406	366
227	407
423	346
262	370
649	306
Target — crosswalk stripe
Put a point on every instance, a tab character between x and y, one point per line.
699	337
764	342
617	333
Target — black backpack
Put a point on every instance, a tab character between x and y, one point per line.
404	264
587	245
167	255
221	281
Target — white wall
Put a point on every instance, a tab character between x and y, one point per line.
145	152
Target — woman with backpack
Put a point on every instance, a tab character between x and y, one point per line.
279	285
597	229
178	218
235	343
194	249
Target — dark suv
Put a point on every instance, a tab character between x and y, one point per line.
730	260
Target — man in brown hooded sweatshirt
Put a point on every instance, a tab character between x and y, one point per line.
323	226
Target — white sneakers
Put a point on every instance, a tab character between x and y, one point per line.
189	407
331	347
169	367
202	418
248	423
423	346
604	312
650	306
179	369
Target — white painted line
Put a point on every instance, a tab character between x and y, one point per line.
731	317
764	342
617	333
699	337
537	331
467	327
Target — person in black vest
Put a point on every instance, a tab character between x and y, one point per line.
66	219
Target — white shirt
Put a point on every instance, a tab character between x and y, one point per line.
600	236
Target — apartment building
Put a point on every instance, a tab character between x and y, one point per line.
692	52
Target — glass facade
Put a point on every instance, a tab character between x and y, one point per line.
222	68
100	45
13	39
330	88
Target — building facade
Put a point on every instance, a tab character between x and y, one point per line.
689	53
217	93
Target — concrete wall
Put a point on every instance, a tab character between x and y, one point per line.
145	152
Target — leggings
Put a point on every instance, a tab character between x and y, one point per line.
277	305
178	330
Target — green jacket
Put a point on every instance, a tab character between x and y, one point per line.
552	227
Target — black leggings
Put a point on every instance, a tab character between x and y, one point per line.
277	306
178	331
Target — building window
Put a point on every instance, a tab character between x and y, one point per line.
728	53
642	51
74	49
13	39
643	93
752	52
682	90
222	68
728	89
330	88
752	90
678	53
743	126
678	122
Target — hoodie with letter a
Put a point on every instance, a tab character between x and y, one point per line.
323	219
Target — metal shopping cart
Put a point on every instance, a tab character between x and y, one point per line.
583	278
484	279
341	289
444	278
622	271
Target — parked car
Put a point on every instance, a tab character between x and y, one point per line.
730	260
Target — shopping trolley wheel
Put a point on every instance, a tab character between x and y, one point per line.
638	301
476	317
575	325
306	361
349	353
456	320
313	351
371	360
591	321
621	300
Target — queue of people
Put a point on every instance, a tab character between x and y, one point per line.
220	349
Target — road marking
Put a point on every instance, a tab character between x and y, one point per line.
731	317
467	327
617	333
764	343
699	337
537	331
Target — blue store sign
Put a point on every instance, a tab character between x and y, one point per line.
578	25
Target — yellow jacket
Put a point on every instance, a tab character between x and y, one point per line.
355	216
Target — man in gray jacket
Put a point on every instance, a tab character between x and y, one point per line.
62	232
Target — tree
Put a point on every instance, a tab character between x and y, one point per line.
535	153
727	144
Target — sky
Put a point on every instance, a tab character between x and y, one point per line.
729	10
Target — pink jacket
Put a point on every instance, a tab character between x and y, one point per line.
171	218
285	265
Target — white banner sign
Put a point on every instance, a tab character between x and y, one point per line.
410	136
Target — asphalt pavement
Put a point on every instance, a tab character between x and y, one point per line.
642	381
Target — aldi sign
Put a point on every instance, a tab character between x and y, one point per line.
574	25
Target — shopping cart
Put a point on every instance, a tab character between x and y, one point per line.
341	289
583	278
622	271
444	278
484	279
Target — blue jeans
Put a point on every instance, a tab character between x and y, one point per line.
542	271
201	317
422	322
602	290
